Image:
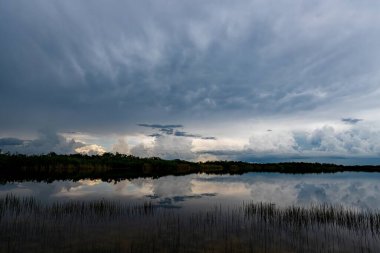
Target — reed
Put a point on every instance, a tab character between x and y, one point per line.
29	225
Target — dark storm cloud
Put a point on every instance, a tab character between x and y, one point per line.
209	138
198	136
155	135
155	126
185	134
46	142
164	129
10	142
171	130
106	65
351	120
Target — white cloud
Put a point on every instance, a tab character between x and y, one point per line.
357	140
272	142
357	143
167	147
121	146
92	149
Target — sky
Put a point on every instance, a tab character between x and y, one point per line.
257	81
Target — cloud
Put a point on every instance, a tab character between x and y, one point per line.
351	145
354	145
10	141
171	130
46	142
185	134
121	146
221	69
328	140
158	126
208	138
245	59
167	147
165	129
92	149
351	120
271	142
155	135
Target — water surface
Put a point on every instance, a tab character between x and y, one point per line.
351	189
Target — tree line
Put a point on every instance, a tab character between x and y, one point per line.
109	167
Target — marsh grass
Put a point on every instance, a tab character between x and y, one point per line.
28	225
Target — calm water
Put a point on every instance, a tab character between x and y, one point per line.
357	190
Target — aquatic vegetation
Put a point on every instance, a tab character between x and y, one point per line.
29	225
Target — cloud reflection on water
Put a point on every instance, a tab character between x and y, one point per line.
359	190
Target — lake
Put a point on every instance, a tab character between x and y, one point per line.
350	189
253	212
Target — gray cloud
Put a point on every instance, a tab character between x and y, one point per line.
155	135
208	138
171	130
351	120
46	142
10	142
164	129
158	126
185	134
101	68
108	65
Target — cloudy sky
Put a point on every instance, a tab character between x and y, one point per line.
197	80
